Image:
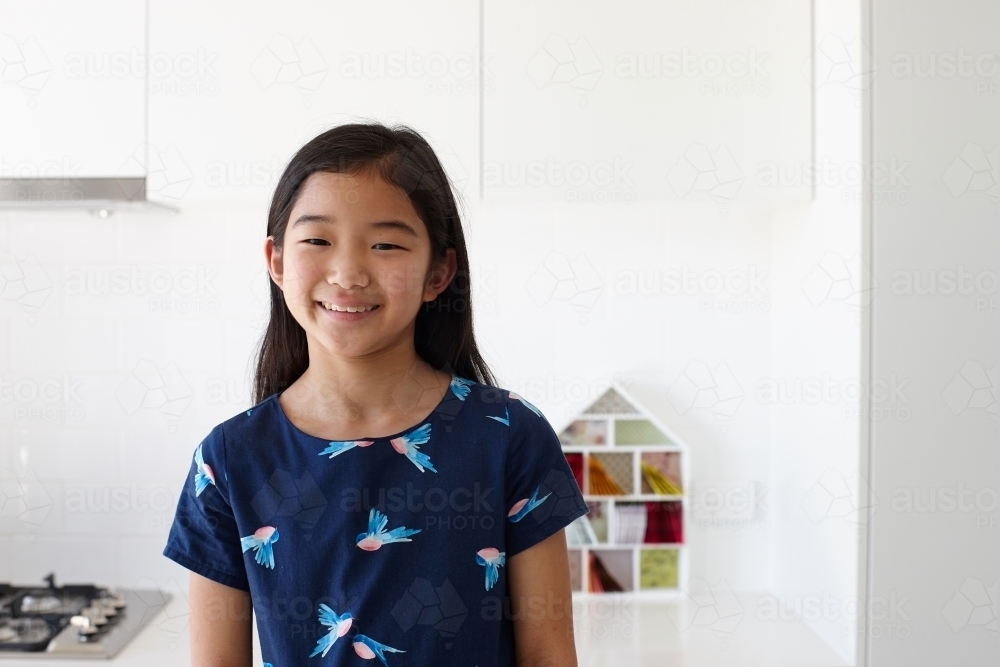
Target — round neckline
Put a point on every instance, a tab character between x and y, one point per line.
284	417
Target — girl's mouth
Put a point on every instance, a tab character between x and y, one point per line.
346	316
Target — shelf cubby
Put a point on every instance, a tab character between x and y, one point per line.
617	466
667	465
638	432
658	569
592	432
576	570
610	571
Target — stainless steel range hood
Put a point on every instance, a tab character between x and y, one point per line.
100	195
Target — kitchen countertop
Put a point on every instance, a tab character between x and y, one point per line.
165	642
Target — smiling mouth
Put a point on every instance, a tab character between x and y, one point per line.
347	309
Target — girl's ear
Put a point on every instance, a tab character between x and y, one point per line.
441	275
273	258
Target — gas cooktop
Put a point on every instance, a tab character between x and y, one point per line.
70	621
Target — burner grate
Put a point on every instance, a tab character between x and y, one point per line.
70	621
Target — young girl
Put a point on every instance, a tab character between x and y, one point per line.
383	500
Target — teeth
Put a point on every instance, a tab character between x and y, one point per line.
347	309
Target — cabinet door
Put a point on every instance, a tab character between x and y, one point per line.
696	100
72	89
280	74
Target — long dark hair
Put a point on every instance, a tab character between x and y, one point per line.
443	335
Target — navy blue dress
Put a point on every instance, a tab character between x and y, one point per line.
391	549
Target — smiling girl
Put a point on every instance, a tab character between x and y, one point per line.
383	500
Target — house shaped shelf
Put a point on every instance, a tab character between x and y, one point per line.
633	471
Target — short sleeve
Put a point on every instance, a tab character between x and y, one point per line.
204	536
540	491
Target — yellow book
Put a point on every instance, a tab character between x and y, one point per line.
660	483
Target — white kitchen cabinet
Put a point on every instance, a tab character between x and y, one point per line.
273	77
72	98
697	100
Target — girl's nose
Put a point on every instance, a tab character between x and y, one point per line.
347	272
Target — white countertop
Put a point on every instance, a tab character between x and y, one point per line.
164	642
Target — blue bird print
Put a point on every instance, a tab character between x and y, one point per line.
407	444
368	648
521	508
376	535
261	542
339	625
530	406
341	446
248	414
492	559
503	420
203	475
461	386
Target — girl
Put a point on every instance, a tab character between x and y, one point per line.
387	501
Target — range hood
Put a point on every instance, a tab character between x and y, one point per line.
101	195
76	135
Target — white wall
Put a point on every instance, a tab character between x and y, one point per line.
815	391
142	377
936	539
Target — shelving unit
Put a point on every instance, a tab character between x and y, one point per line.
635	538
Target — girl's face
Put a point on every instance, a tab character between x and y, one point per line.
350	241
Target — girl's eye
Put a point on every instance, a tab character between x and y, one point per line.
325	242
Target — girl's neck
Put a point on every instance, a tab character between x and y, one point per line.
351	402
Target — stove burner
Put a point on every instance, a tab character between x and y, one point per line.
25	631
72	621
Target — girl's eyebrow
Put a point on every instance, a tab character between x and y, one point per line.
383	224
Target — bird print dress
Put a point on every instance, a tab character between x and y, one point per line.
389	550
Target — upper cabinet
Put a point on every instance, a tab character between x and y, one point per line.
633	101
272	78
72	89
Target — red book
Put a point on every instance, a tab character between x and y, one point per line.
664	523
576	465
